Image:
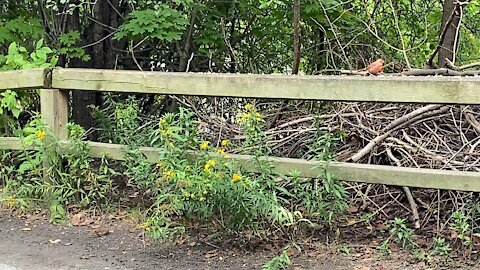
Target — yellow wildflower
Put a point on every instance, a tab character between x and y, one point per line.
186	195
209	165
225	142
168	174
249	107
40	134
258	117
163	121
201	199
204	145
146	226
244	117
166	132
10	201
236	177
161	164
220	151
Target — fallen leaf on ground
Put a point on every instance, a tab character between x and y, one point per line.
312	253
53	242
292	252
353	209
476	239
212	253
101	231
26	229
76	219
351	221
180	241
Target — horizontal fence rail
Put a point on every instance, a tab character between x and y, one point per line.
447	90
411	89
364	173
354	172
10	143
21	79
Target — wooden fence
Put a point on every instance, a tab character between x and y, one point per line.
444	90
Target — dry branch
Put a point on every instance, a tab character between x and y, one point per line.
440	71
408	193
392	127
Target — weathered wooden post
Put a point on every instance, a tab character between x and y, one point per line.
54	113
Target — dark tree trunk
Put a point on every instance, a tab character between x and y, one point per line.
296	36
450	22
101	58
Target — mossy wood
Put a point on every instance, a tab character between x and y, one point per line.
411	89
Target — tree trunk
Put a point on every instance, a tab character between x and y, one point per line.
450	22
296	36
82	100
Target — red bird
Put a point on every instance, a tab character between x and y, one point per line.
376	67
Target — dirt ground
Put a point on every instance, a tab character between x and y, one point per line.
31	243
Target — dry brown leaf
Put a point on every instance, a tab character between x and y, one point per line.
351	221
476	239
380	227
76	219
268	246
212	253
292	252
312	253
180	241
453	235
353	209
102	231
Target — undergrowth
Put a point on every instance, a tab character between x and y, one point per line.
190	181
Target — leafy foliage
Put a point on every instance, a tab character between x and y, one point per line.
211	187
162	22
73	178
19	30
11	102
19	58
67	43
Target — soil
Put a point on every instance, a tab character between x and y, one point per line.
31	243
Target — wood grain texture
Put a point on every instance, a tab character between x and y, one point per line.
21	79
54	111
435	89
